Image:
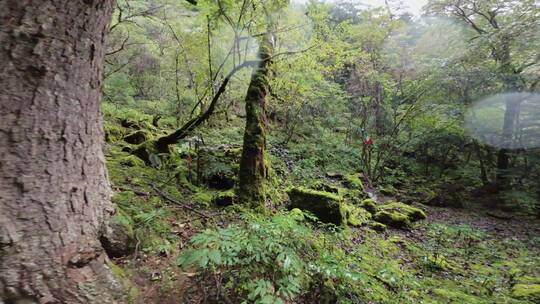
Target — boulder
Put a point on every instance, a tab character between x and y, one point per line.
220	180
393	219
327	207
137	137
118	238
413	213
223	199
219	166
322	186
297	214
356	216
398	215
369	204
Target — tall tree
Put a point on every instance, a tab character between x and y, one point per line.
253	168
54	193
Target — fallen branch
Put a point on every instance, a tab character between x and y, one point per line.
163	142
170	199
137	192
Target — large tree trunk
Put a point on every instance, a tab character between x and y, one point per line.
253	169
54	193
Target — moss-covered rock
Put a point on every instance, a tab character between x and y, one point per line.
334	175
356	216
369	204
224	198
377	226
148	152
413	213
421	194
527	291
137	137
393	218
297	214
132	161
118	238
130	290
353	181
219	166
322	186
113	132
327	207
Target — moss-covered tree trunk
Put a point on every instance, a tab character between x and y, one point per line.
253	168
54	193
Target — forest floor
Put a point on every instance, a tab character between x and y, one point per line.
471	257
454	256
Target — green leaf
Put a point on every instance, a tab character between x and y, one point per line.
215	256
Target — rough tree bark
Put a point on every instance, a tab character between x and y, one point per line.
253	169
54	193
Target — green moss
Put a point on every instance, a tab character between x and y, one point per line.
527	280
369	204
356	216
132	161
123	219
203	197
388	190
393	218
438	262
325	206
148	152
137	137
297	214
377	226
113	132
425	195
412	212
455	296
322	186
527	291
123	198
129	289
224	198
353	181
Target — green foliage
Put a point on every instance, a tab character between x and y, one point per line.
406	83
266	260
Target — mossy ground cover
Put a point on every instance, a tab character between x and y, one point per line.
453	256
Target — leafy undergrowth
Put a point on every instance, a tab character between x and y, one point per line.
285	259
184	249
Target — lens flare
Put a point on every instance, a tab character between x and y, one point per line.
509	120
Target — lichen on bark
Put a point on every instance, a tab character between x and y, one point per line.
253	167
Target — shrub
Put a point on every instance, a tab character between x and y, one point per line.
266	260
